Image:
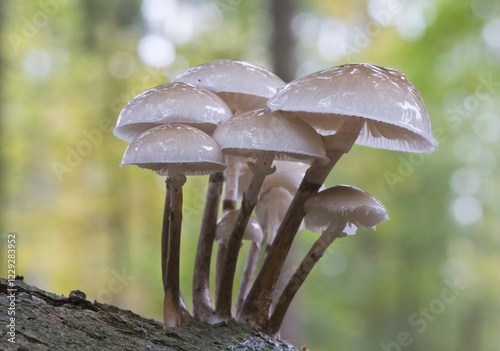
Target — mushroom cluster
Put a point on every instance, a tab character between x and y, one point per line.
268	148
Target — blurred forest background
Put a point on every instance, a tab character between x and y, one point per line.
428	279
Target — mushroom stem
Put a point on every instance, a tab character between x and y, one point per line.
221	256
174	312
232	173
164	235
248	274
260	169
256	307
333	232
202	305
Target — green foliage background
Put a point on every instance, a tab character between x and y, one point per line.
84	223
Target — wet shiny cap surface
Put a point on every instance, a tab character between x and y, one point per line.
395	115
258	131
171	103
174	149
360	209
242	85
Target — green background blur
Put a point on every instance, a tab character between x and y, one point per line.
428	279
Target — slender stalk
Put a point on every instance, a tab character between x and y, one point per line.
164	236
174	312
255	310
232	173
221	256
312	257
202	305
248	274
260	170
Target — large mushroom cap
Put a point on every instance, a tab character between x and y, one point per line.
360	209
258	131
167	147
168	104
226	223
395	114
243	86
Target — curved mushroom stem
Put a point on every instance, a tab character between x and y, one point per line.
256	307
174	311
202	305
260	169
248	273
333	232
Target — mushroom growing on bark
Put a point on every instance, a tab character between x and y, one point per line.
244	87
368	104
264	136
183	103
335	212
174	151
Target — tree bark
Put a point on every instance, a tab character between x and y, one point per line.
45	321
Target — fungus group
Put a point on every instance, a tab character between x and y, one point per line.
268	148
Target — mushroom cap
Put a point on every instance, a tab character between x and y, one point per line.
168	104
175	147
360	209
243	86
394	111
254	132
226	223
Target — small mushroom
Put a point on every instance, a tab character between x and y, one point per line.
264	136
276	195
174	151
374	105
335	212
253	232
270	210
171	103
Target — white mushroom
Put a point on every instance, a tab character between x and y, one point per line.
244	87
375	105
171	103
335	212
174	151
263	136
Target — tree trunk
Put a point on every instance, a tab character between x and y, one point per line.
39	320
283	39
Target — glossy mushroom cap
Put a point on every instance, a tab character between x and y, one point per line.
178	147
258	131
169	104
226	223
395	114
243	86
360	209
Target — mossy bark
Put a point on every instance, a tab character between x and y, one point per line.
45	321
